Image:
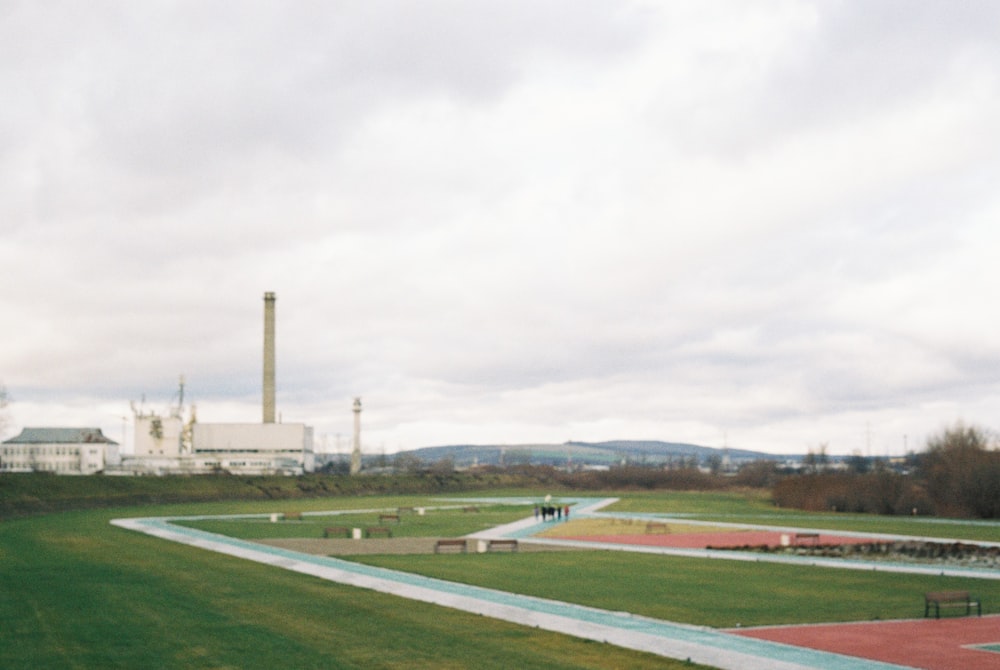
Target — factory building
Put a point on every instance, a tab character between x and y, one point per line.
63	451
238	448
169	445
271	447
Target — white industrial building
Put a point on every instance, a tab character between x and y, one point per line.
283	447
169	445
63	451
161	447
166	445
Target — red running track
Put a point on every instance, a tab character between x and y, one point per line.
934	644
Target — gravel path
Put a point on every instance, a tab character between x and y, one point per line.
379	545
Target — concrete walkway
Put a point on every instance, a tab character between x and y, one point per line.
699	644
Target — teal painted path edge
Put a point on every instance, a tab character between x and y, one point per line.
703	645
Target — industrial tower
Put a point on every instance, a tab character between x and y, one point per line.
269	357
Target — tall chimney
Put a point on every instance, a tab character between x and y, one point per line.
269	357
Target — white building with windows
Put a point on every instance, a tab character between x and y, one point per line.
255	447
165	445
63	451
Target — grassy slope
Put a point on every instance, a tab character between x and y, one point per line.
25	494
76	592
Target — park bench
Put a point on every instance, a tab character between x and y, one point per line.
377	530
653	527
409	510
470	509
443	544
388	517
939	599
288	516
507	544
337	530
807	538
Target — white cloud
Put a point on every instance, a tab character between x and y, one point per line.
769	224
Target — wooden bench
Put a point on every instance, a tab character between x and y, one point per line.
470	509
288	516
654	527
337	531
377	530
458	544
511	545
388	517
807	538
939	599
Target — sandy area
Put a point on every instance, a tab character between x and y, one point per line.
614	526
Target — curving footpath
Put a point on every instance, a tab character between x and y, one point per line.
698	644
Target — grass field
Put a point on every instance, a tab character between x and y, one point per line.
76	592
714	593
754	507
436	522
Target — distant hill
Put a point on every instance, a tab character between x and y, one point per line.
580	453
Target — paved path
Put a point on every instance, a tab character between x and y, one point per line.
699	644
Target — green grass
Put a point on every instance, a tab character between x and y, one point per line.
695	502
434	523
35	493
755	508
719	593
76	592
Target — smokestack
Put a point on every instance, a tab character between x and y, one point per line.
269	357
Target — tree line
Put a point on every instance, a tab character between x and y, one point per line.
958	475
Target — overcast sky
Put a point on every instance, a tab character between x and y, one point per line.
771	225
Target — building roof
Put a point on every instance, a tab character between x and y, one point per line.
60	436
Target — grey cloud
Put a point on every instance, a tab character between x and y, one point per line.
167	88
853	61
503	221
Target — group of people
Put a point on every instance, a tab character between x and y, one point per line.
551	512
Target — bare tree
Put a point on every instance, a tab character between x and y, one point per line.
962	472
816	461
